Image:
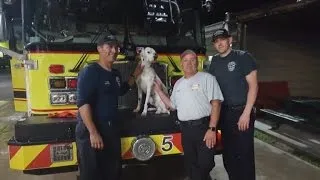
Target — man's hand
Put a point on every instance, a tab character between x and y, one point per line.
138	70
210	138
157	85
96	141
244	121
135	74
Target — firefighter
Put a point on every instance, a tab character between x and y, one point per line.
236	73
97	130
198	115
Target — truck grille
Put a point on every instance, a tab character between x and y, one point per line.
129	100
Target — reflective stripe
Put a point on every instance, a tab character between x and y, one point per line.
36	157
39	156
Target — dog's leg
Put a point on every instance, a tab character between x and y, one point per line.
157	103
145	109
161	107
139	99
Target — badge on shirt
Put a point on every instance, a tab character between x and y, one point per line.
118	80
231	65
195	86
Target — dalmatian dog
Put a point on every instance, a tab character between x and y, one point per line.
145	83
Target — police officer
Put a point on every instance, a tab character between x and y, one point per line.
236	73
197	98
97	131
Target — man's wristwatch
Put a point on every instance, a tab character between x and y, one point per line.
212	128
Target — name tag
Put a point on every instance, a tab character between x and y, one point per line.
195	87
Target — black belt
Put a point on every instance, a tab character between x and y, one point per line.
196	122
234	106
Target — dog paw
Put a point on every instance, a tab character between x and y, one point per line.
158	111
144	113
136	110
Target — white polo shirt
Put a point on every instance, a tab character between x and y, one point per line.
191	97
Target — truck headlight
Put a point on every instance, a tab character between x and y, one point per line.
59	98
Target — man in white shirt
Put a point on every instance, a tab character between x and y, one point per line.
197	97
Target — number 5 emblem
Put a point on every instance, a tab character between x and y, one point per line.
167	143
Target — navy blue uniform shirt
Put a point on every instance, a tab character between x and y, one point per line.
100	89
231	72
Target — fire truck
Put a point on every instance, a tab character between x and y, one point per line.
50	41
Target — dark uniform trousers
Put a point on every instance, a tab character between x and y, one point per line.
99	164
238	146
199	159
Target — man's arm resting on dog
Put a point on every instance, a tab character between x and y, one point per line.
166	100
126	86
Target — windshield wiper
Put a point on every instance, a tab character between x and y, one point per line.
174	65
83	57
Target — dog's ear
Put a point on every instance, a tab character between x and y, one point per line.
139	50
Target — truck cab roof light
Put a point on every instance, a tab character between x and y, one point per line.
56	68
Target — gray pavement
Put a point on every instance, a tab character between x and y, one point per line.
306	142
5	85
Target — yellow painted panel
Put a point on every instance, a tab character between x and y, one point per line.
20	105
4	44
18	82
39	79
126	144
25	156
31	152
17	162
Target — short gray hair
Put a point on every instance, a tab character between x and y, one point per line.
186	52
